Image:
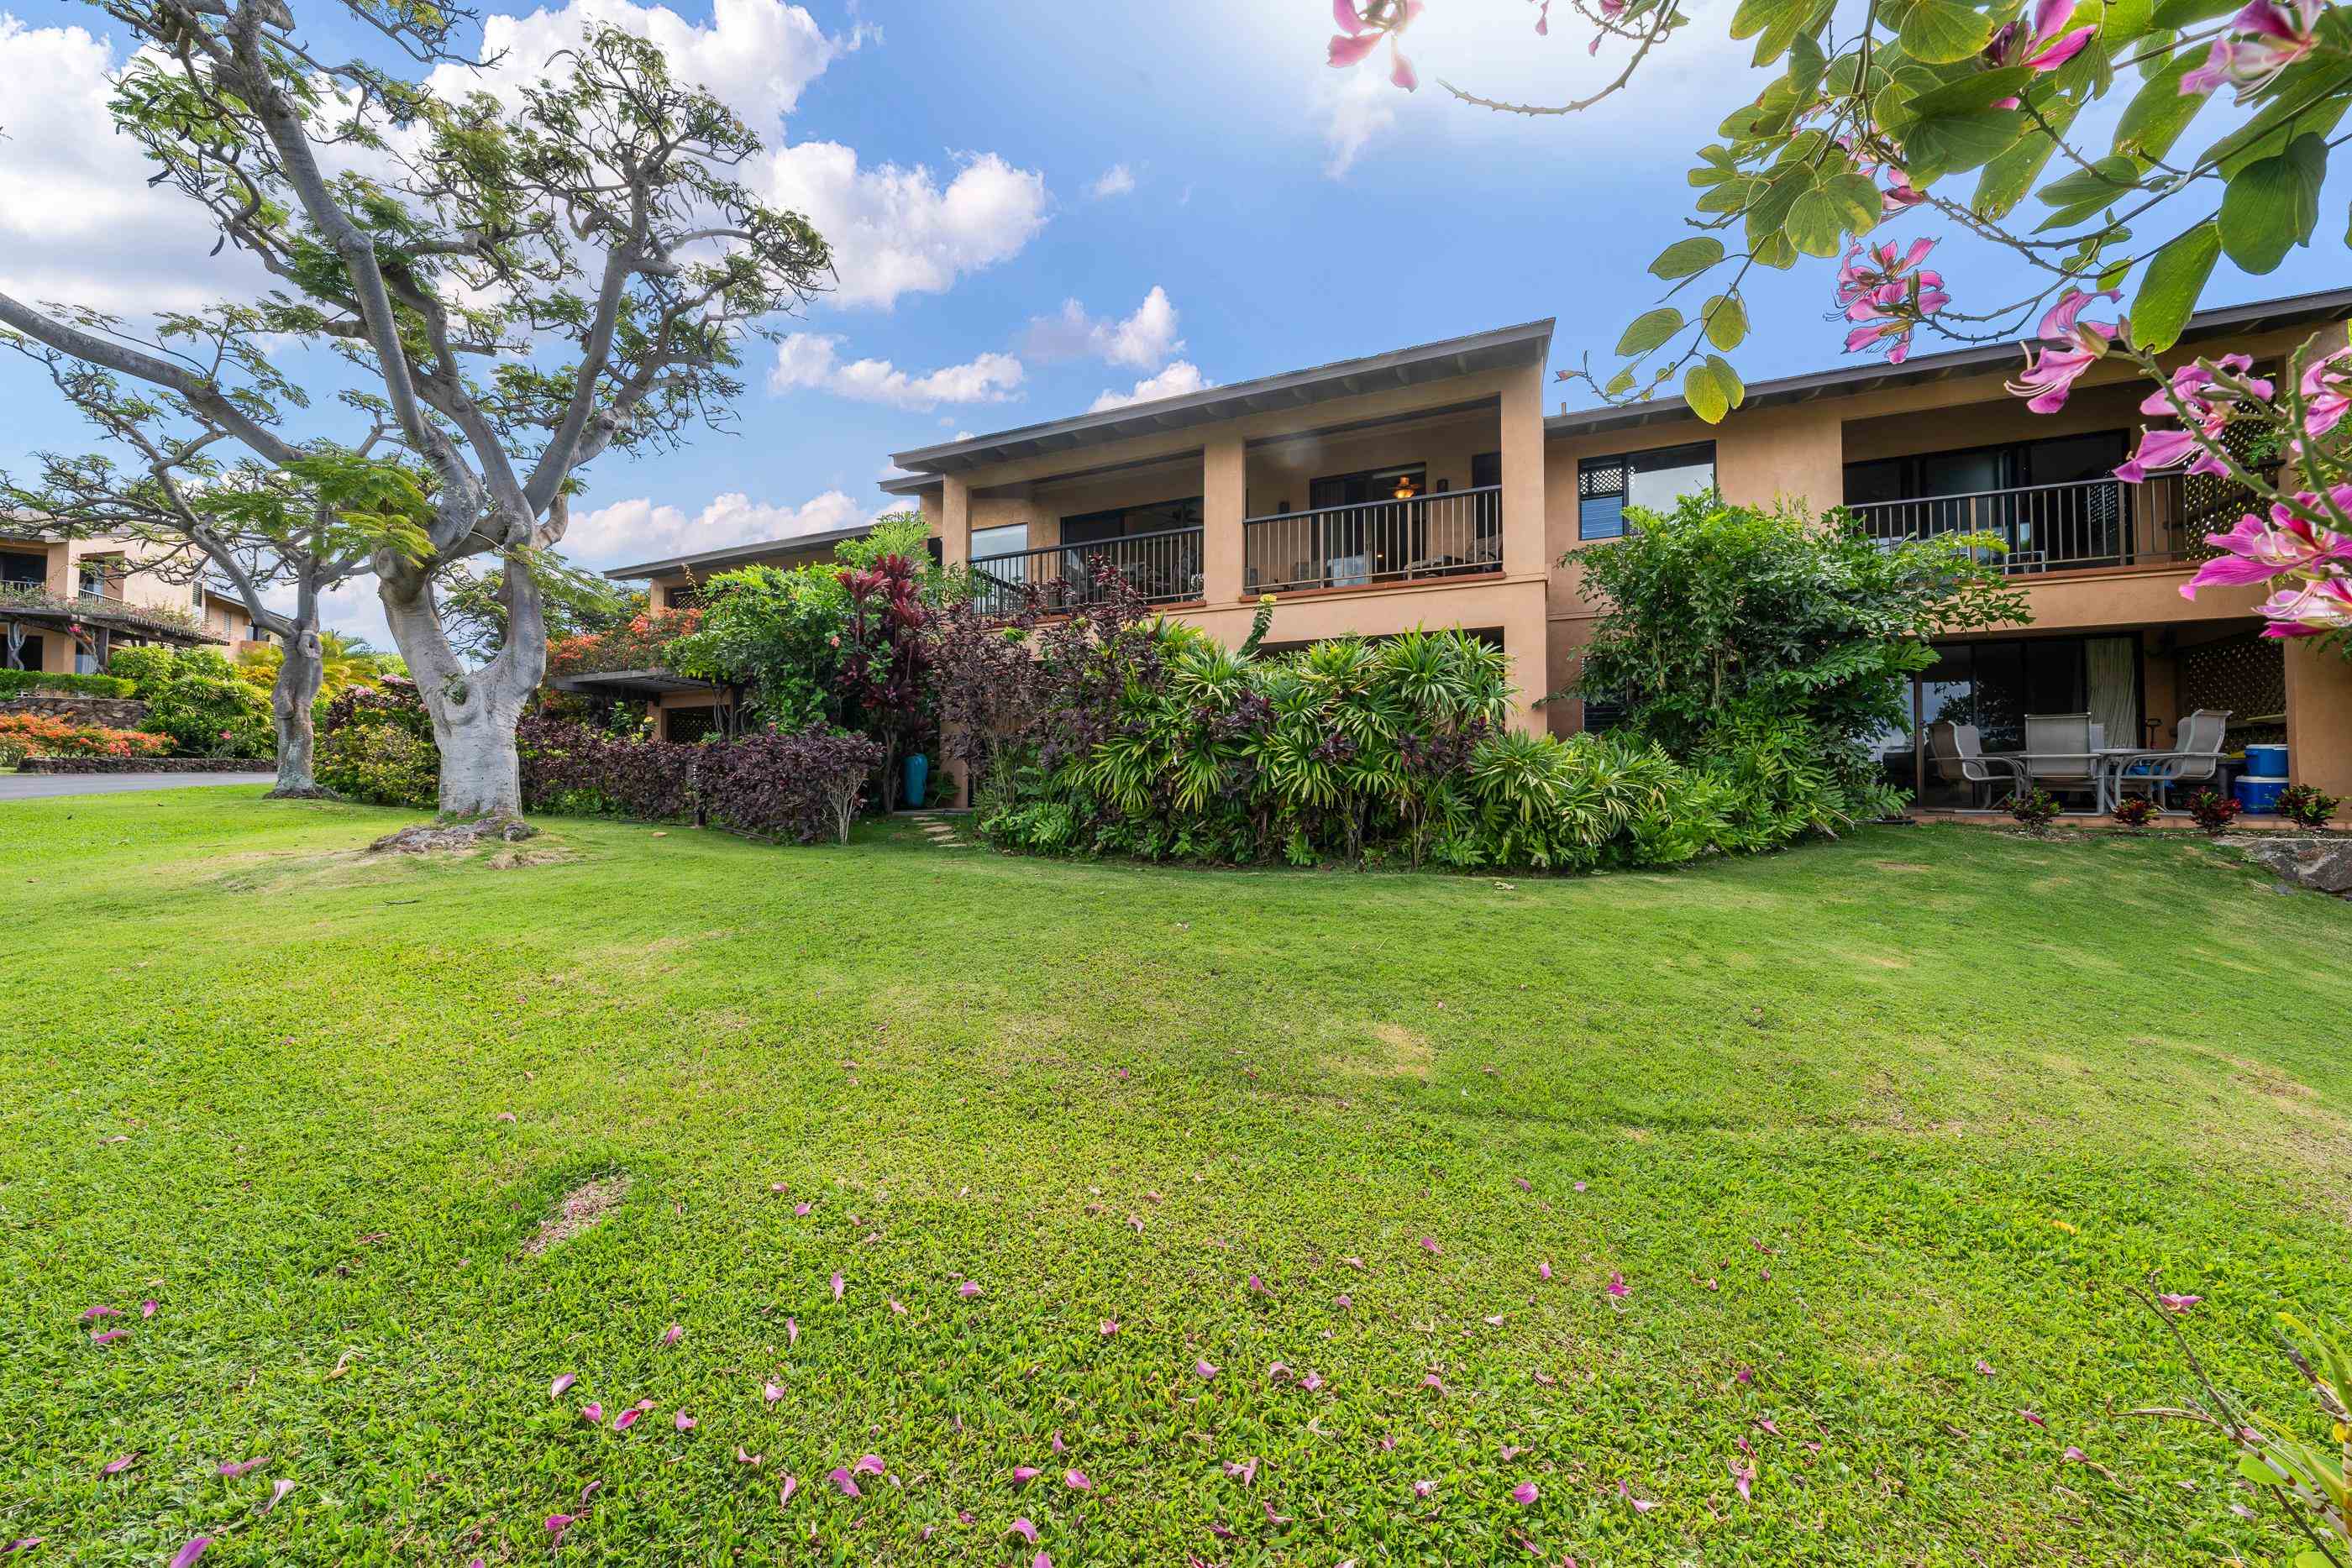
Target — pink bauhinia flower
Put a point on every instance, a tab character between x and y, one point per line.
1887	293
2326	387
1363	24
2177	1304
2209	407
2045	47
2311	609
2282	544
2069	346
2263	40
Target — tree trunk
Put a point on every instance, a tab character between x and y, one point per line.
474	712
298	678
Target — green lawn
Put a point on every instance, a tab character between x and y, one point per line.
1857	1118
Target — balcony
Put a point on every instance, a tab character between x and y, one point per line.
2053	528
1450	533
1164	566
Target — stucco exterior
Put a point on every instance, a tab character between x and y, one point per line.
1260	462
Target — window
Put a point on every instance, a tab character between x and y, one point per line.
1009	540
1606	487
23	569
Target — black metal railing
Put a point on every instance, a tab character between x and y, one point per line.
2050	527
1452	533
1163	567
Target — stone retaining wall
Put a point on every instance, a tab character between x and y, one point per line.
146	765
112	713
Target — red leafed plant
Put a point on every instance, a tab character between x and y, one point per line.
2213	812
886	668
2136	810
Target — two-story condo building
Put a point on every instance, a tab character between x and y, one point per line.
1426	487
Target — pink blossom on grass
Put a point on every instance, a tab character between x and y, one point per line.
2178	1304
1525	1492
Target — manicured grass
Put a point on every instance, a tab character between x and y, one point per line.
1857	1118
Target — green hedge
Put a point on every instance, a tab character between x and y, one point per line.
31	683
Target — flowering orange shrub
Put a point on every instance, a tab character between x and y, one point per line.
43	735
638	646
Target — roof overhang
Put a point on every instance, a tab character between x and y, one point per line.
739	555
1847	380
630	683
1505	346
109	615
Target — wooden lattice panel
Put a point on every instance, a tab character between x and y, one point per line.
2246	677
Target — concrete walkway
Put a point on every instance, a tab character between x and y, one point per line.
43	786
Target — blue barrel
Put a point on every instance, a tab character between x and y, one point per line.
919	774
2266	761
2259	794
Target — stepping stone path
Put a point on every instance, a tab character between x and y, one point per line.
941	834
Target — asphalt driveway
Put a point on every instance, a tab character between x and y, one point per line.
41	786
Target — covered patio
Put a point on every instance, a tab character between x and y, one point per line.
60	635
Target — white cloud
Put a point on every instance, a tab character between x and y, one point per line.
1353	106
1178	379
1144	339
755	54
813	360
640	529
1119	179
78	221
897	230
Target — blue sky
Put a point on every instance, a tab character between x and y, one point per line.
1009	185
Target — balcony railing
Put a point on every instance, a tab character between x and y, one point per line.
1452	533
2050	528
1163	567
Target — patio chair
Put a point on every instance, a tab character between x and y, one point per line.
2060	756
1959	758
2195	756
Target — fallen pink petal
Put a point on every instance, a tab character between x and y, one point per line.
683	1422
594	1414
1641	1505
785	1493
555	1389
1109	1327
1310	1383
843	1482
590	1489
1023	1474
743	1458
93	1312
1429	1245
1204	1370
235	1468
1984	1369
277	1495
116	1467
557	1523
792	1331
869	1465
672	1334
2178	1304
626	1419
1422	1488
1077	1480
968	1289
1618	1287
837	1287
149	1309
1525	1491
1543	1271
1024	1530
771	1391
109	1336
191	1552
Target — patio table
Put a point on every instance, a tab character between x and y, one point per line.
2100	758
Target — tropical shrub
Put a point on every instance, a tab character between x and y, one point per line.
13	750
775	634
799	787
376	745
886	666
2035	809
804	788
209	716
2136	810
2308	805
577	769
1112	731
42	734
146	668
641	642
1729	623
33	682
2213	812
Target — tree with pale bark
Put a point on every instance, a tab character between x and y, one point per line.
512	287
268	534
